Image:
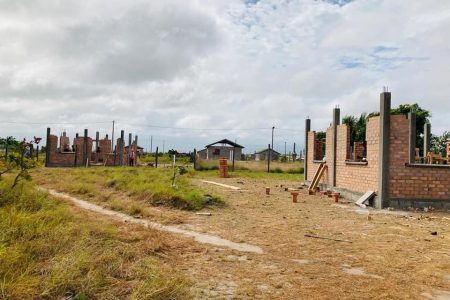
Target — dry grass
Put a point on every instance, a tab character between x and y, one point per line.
397	256
50	251
110	186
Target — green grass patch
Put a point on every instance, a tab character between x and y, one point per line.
252	174
147	185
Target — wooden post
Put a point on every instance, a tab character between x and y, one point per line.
195	159
156	158
268	159
6	150
37	152
234	148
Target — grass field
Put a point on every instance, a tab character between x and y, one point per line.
50	251
133	191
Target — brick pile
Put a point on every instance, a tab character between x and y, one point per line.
223	168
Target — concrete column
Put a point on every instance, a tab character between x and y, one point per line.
305	160
129	148
426	138
120	148
135	150
382	199
47	148
97	138
412	137
85	149
336	122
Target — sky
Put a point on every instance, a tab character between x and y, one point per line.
188	73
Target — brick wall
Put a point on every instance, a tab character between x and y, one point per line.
413	182
60	158
312	166
64	143
358	150
319	149
356	177
57	158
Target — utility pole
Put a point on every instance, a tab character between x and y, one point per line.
151	144
163	146
284	148
271	147
273	128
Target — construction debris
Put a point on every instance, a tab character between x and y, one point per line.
203	214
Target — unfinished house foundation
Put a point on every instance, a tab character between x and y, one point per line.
388	165
82	152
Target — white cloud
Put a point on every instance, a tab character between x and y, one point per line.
243	65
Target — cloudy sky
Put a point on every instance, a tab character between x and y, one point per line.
192	72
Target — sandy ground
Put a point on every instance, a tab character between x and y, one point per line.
389	255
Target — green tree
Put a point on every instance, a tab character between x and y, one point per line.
172	152
321	135
439	143
357	127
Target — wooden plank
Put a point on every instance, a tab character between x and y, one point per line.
317	177
222	185
326	238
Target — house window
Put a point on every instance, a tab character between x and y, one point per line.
216	152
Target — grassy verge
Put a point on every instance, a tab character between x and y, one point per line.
146	185
257	169
252	174
48	252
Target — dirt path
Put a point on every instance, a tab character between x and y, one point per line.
394	256
199	237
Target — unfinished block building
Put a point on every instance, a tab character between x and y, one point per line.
86	151
390	169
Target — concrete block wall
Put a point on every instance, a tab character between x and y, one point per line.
413	181
329	155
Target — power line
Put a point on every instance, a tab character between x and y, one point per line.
151	126
53	123
193	128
